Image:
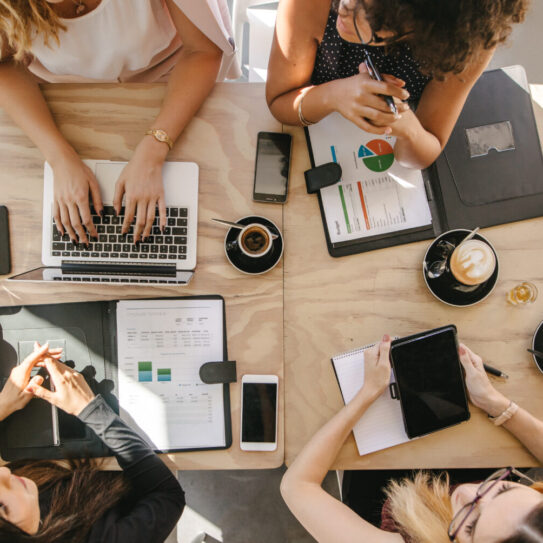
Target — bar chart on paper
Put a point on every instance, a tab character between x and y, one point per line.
145	372
161	346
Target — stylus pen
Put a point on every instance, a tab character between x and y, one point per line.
495	371
374	74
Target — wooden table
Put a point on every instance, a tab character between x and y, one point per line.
334	305
106	122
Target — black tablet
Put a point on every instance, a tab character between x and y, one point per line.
430	381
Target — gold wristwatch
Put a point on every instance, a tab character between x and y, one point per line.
160	135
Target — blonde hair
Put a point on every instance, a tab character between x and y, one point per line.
22	20
421	507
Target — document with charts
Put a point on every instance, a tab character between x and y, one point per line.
161	346
376	195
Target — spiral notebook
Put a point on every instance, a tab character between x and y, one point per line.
382	425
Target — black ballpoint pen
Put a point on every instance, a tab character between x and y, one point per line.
374	74
495	371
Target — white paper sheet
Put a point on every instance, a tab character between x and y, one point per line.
161	346
381	426
376	195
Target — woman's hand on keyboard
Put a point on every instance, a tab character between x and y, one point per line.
141	184
73	182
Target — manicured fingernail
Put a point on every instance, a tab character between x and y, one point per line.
462	349
386	337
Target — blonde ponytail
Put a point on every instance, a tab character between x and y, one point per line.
421	508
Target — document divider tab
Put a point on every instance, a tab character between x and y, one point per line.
219	372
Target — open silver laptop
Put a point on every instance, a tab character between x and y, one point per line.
167	256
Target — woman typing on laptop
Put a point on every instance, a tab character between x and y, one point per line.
44	501
111	41
327	55
424	509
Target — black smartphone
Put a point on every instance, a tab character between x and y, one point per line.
430	381
272	167
5	255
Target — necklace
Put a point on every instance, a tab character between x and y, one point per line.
80	7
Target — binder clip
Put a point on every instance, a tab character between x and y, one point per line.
218	372
322	176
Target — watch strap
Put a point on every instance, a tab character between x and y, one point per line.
505	415
160	135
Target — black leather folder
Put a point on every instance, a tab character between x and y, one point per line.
490	172
90	331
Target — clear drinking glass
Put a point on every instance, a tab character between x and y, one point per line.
522	294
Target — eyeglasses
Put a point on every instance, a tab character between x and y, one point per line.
484	488
374	38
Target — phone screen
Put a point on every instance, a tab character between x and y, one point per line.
272	167
430	382
259	407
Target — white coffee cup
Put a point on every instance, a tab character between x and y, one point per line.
473	262
255	240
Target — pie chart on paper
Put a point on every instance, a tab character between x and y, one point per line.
377	155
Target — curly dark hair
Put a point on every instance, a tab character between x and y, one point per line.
444	35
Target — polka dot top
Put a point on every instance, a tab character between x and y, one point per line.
337	59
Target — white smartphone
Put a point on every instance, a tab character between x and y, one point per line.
259	412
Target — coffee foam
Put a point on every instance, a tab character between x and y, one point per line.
473	262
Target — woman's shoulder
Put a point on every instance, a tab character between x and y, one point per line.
308	15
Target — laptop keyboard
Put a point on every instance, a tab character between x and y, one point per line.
170	244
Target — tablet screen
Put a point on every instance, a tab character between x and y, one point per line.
430	381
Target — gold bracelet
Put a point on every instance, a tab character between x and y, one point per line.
303	120
160	135
505	415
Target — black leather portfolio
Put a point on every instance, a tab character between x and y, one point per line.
88	333
490	172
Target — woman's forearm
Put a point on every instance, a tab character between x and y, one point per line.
415	147
190	83
22	99
318	102
523	425
315	459
528	430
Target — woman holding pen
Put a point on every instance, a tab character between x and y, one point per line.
429	52
424	509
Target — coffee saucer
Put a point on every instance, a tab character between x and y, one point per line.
247	264
537	345
446	288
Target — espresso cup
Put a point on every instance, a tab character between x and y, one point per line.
472	262
255	240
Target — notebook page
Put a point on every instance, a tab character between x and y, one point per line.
161	346
381	426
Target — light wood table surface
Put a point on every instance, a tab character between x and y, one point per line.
106	122
334	305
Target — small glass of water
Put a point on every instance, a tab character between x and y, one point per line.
522	294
